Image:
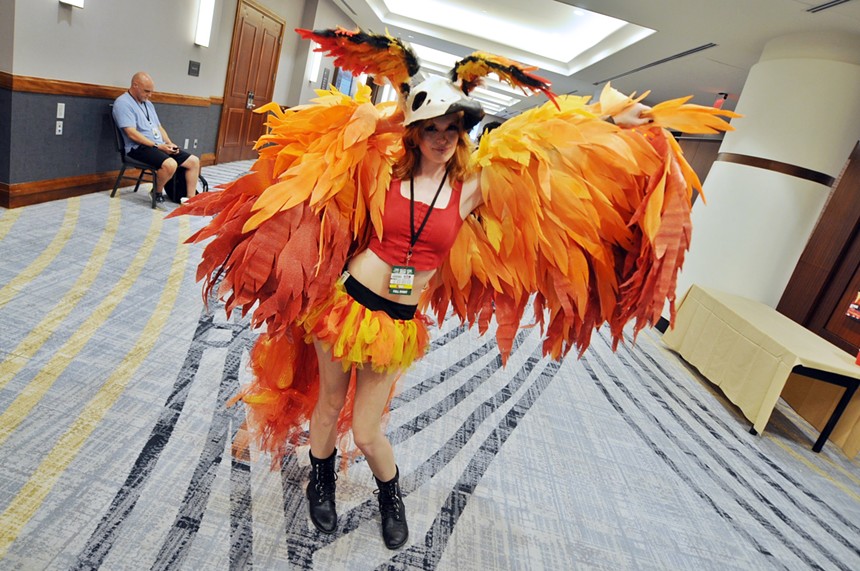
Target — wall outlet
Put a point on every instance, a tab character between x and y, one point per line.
61	110
186	144
195	143
59	128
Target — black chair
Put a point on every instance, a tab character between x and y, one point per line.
147	173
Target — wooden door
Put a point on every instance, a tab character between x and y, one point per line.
257	37
839	328
827	277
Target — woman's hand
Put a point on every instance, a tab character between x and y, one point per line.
633	116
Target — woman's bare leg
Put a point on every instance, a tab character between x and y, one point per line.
334	383
322	483
372	390
371	395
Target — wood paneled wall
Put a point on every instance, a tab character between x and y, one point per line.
700	153
85	174
830	259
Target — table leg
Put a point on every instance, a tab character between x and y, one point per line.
834	418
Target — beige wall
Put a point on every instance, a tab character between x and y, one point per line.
108	40
7	27
750	236
319	14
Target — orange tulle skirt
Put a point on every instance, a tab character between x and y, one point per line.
285	387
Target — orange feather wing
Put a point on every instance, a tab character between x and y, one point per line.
473	68
281	234
360	52
588	221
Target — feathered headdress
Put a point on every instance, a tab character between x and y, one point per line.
384	56
359	52
470	70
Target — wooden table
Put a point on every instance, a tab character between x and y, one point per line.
749	350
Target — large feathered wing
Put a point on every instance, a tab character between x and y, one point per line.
586	220
382	56
280	237
281	234
471	71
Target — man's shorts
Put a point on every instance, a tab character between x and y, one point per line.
155	157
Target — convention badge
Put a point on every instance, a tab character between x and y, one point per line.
401	280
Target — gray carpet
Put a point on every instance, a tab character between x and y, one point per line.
117	452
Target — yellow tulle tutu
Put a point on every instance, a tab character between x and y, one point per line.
285	387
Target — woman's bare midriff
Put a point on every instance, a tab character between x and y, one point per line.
374	274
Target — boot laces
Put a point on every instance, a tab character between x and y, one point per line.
323	485
389	502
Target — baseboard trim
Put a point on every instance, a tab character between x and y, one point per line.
23	83
35	192
27	193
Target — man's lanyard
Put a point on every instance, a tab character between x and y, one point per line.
413	234
145	110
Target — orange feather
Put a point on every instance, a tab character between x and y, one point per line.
591	220
281	234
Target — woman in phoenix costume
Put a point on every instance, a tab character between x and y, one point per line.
586	218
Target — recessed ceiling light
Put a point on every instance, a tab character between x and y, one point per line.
428	55
544	27
551	34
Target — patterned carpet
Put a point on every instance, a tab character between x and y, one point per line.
117	452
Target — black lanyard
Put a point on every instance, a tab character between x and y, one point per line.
413	234
145	111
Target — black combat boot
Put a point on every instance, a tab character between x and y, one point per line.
321	493
395	532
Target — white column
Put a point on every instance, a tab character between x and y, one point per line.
801	107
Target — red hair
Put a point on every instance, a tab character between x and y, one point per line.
458	166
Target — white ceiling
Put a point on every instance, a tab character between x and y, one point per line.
738	30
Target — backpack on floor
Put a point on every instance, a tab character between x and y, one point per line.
175	187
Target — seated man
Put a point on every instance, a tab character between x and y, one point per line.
147	141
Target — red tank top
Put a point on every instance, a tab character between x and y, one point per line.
435	240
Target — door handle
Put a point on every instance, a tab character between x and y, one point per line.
249	103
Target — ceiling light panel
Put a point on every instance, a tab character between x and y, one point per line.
544	27
489	107
491	82
547	33
499	98
428	55
438	62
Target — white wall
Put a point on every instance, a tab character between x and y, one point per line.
108	40
301	55
749	237
777	113
327	15
7	27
